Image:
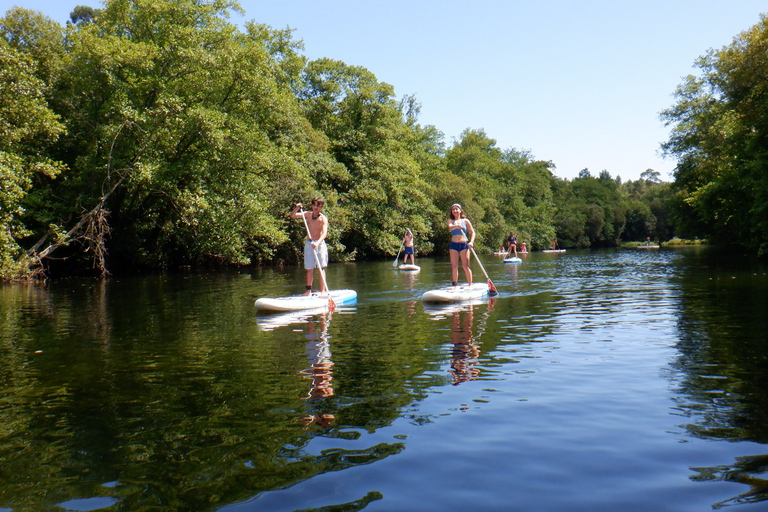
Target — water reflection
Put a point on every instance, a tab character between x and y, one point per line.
110	387
465	331
465	351
409	281
320	370
747	470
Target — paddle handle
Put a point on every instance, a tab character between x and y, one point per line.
331	304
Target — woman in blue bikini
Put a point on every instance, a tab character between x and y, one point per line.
460	227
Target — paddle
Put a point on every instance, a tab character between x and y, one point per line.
331	304
398	251
490	283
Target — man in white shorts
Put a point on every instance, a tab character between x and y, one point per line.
314	247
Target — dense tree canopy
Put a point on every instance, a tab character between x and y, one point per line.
157	134
720	138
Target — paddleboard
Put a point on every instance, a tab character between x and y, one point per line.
406	266
553	250
500	253
457	293
513	259
300	302
647	246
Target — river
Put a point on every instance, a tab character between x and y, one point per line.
595	381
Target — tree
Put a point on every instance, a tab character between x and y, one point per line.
720	138
185	135
83	14
26	126
377	144
651	175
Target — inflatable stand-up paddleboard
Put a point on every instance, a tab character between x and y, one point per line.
457	293
553	250
406	266
301	302
513	259
647	246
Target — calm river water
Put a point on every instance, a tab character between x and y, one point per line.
626	380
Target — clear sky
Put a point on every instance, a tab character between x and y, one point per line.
578	83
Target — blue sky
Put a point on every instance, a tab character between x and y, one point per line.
578	83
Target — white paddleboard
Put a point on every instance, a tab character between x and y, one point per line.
457	293
300	302
406	266
553	250
647	246
513	259
499	253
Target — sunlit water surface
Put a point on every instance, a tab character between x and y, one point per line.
596	381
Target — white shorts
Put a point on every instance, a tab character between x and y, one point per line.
309	258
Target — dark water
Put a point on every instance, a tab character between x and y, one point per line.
596	381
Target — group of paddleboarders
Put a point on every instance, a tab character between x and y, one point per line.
316	250
512	245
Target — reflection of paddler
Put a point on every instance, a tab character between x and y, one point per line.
410	280
320	370
319	357
465	353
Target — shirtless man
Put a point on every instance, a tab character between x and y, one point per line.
409	249
314	247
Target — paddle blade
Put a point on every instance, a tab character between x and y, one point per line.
331	305
492	288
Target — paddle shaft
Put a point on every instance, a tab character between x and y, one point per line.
490	283
317	259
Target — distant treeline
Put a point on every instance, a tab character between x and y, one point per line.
157	134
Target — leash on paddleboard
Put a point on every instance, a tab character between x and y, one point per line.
491	286
331	304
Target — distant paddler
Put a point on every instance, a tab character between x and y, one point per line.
410	250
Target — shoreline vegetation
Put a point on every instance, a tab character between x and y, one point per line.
672	242
152	135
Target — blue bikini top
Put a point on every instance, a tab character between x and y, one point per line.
459	231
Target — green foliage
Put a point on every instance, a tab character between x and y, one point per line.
159	134
500	191
382	191
720	129
26	125
590	212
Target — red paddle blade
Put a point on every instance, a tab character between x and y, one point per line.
492	288
331	305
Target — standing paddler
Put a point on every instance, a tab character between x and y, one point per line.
315	249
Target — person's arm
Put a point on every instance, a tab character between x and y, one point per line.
297	213
471	232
